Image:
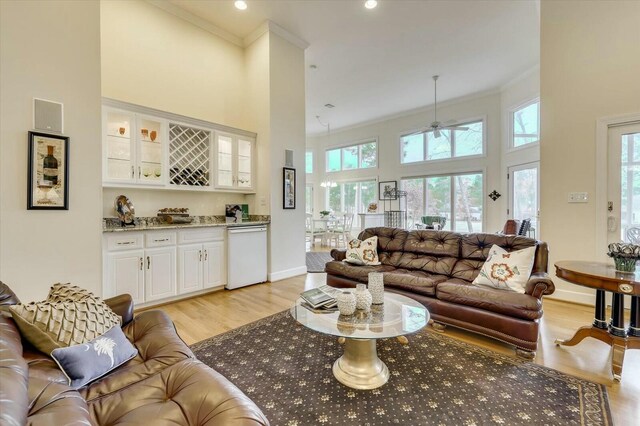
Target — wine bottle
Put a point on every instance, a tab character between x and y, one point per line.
50	166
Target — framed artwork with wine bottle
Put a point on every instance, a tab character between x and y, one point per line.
48	180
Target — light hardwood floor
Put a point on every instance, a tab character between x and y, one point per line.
205	316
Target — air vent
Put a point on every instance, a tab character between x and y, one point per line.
329	105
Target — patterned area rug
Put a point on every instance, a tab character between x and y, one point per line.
317	260
435	380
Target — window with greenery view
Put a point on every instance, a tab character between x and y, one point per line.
458	198
308	162
352	197
525	124
451	144
361	156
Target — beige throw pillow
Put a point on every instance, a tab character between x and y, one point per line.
507	270
363	252
62	322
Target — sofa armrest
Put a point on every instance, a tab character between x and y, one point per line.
338	254
539	284
122	305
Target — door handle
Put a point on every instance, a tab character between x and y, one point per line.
141	263
200	253
148	262
205	255
139	171
133	172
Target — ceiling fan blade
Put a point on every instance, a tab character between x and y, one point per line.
462	128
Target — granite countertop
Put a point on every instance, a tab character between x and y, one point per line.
110	224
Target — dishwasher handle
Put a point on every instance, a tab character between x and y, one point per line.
247	229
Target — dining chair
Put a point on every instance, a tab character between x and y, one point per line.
342	230
633	235
311	232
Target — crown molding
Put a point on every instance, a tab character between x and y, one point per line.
419	110
270	26
517	79
196	20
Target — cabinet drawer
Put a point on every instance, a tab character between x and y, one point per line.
124	241
160	239
201	235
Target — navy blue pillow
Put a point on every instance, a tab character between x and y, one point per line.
87	362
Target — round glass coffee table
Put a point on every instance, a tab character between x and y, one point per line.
359	367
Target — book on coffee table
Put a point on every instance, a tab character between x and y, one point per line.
316	298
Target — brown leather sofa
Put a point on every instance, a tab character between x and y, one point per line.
163	385
436	268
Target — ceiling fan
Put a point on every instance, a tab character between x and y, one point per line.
437	126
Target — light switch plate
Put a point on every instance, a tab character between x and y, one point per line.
578	197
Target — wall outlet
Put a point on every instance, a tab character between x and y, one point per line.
578	197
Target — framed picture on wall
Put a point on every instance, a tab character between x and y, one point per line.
289	188
387	190
48	168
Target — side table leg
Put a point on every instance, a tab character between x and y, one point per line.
634	325
616	326
617	359
600	320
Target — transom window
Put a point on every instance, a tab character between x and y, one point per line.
308	162
360	156
525	124
458	198
451	144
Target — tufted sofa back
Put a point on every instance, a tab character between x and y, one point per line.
447	253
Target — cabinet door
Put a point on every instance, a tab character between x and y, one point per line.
126	275
160	273
214	264
225	177
244	175
151	143
118	130
189	268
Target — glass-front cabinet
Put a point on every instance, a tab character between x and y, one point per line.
234	161
133	146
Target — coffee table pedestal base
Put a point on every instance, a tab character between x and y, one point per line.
359	367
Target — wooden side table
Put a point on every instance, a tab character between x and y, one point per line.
603	277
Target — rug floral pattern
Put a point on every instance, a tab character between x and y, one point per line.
435	380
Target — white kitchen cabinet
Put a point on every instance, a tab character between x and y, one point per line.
235	162
214	264
133	148
125	274
160	273
190	268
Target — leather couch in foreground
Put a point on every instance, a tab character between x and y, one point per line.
436	268
163	385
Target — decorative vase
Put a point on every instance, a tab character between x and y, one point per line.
145	133
346	303
376	287
153	134
363	298
624	256
625	264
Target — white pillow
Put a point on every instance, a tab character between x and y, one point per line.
363	252
507	270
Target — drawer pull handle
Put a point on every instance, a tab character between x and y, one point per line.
148	262
125	243
159	241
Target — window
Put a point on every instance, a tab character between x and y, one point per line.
352	197
308	199
523	192
308	162
451	144
451	196
525	124
361	156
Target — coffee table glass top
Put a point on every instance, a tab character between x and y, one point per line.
399	315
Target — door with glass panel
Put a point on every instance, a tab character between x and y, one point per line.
623	221
119	143
234	161
524	194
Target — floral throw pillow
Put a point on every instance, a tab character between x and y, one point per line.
507	270
363	252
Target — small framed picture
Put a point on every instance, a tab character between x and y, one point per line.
289	188
388	190
48	164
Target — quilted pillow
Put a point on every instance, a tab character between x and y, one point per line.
65	292
507	270
363	252
58	323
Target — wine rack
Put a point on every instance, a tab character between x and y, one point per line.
189	155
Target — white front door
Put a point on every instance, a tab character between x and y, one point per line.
623	187
524	193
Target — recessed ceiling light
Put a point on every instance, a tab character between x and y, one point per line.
240	4
370	4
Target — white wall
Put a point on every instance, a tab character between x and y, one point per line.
50	50
481	106
155	59
589	69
